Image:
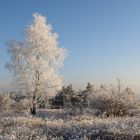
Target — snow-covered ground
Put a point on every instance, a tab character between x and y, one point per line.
59	125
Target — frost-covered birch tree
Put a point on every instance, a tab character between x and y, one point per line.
35	61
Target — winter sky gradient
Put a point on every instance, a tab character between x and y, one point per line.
102	36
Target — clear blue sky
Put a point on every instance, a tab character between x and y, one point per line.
102	36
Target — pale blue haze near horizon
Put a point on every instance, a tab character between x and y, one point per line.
102	37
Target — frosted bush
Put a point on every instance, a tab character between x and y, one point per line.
5	101
22	105
112	101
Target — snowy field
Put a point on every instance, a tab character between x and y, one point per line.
58	124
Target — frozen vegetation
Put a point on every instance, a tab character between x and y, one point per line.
58	125
79	116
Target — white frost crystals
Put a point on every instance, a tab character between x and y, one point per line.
36	60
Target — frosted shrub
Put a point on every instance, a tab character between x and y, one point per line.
112	101
5	101
21	105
